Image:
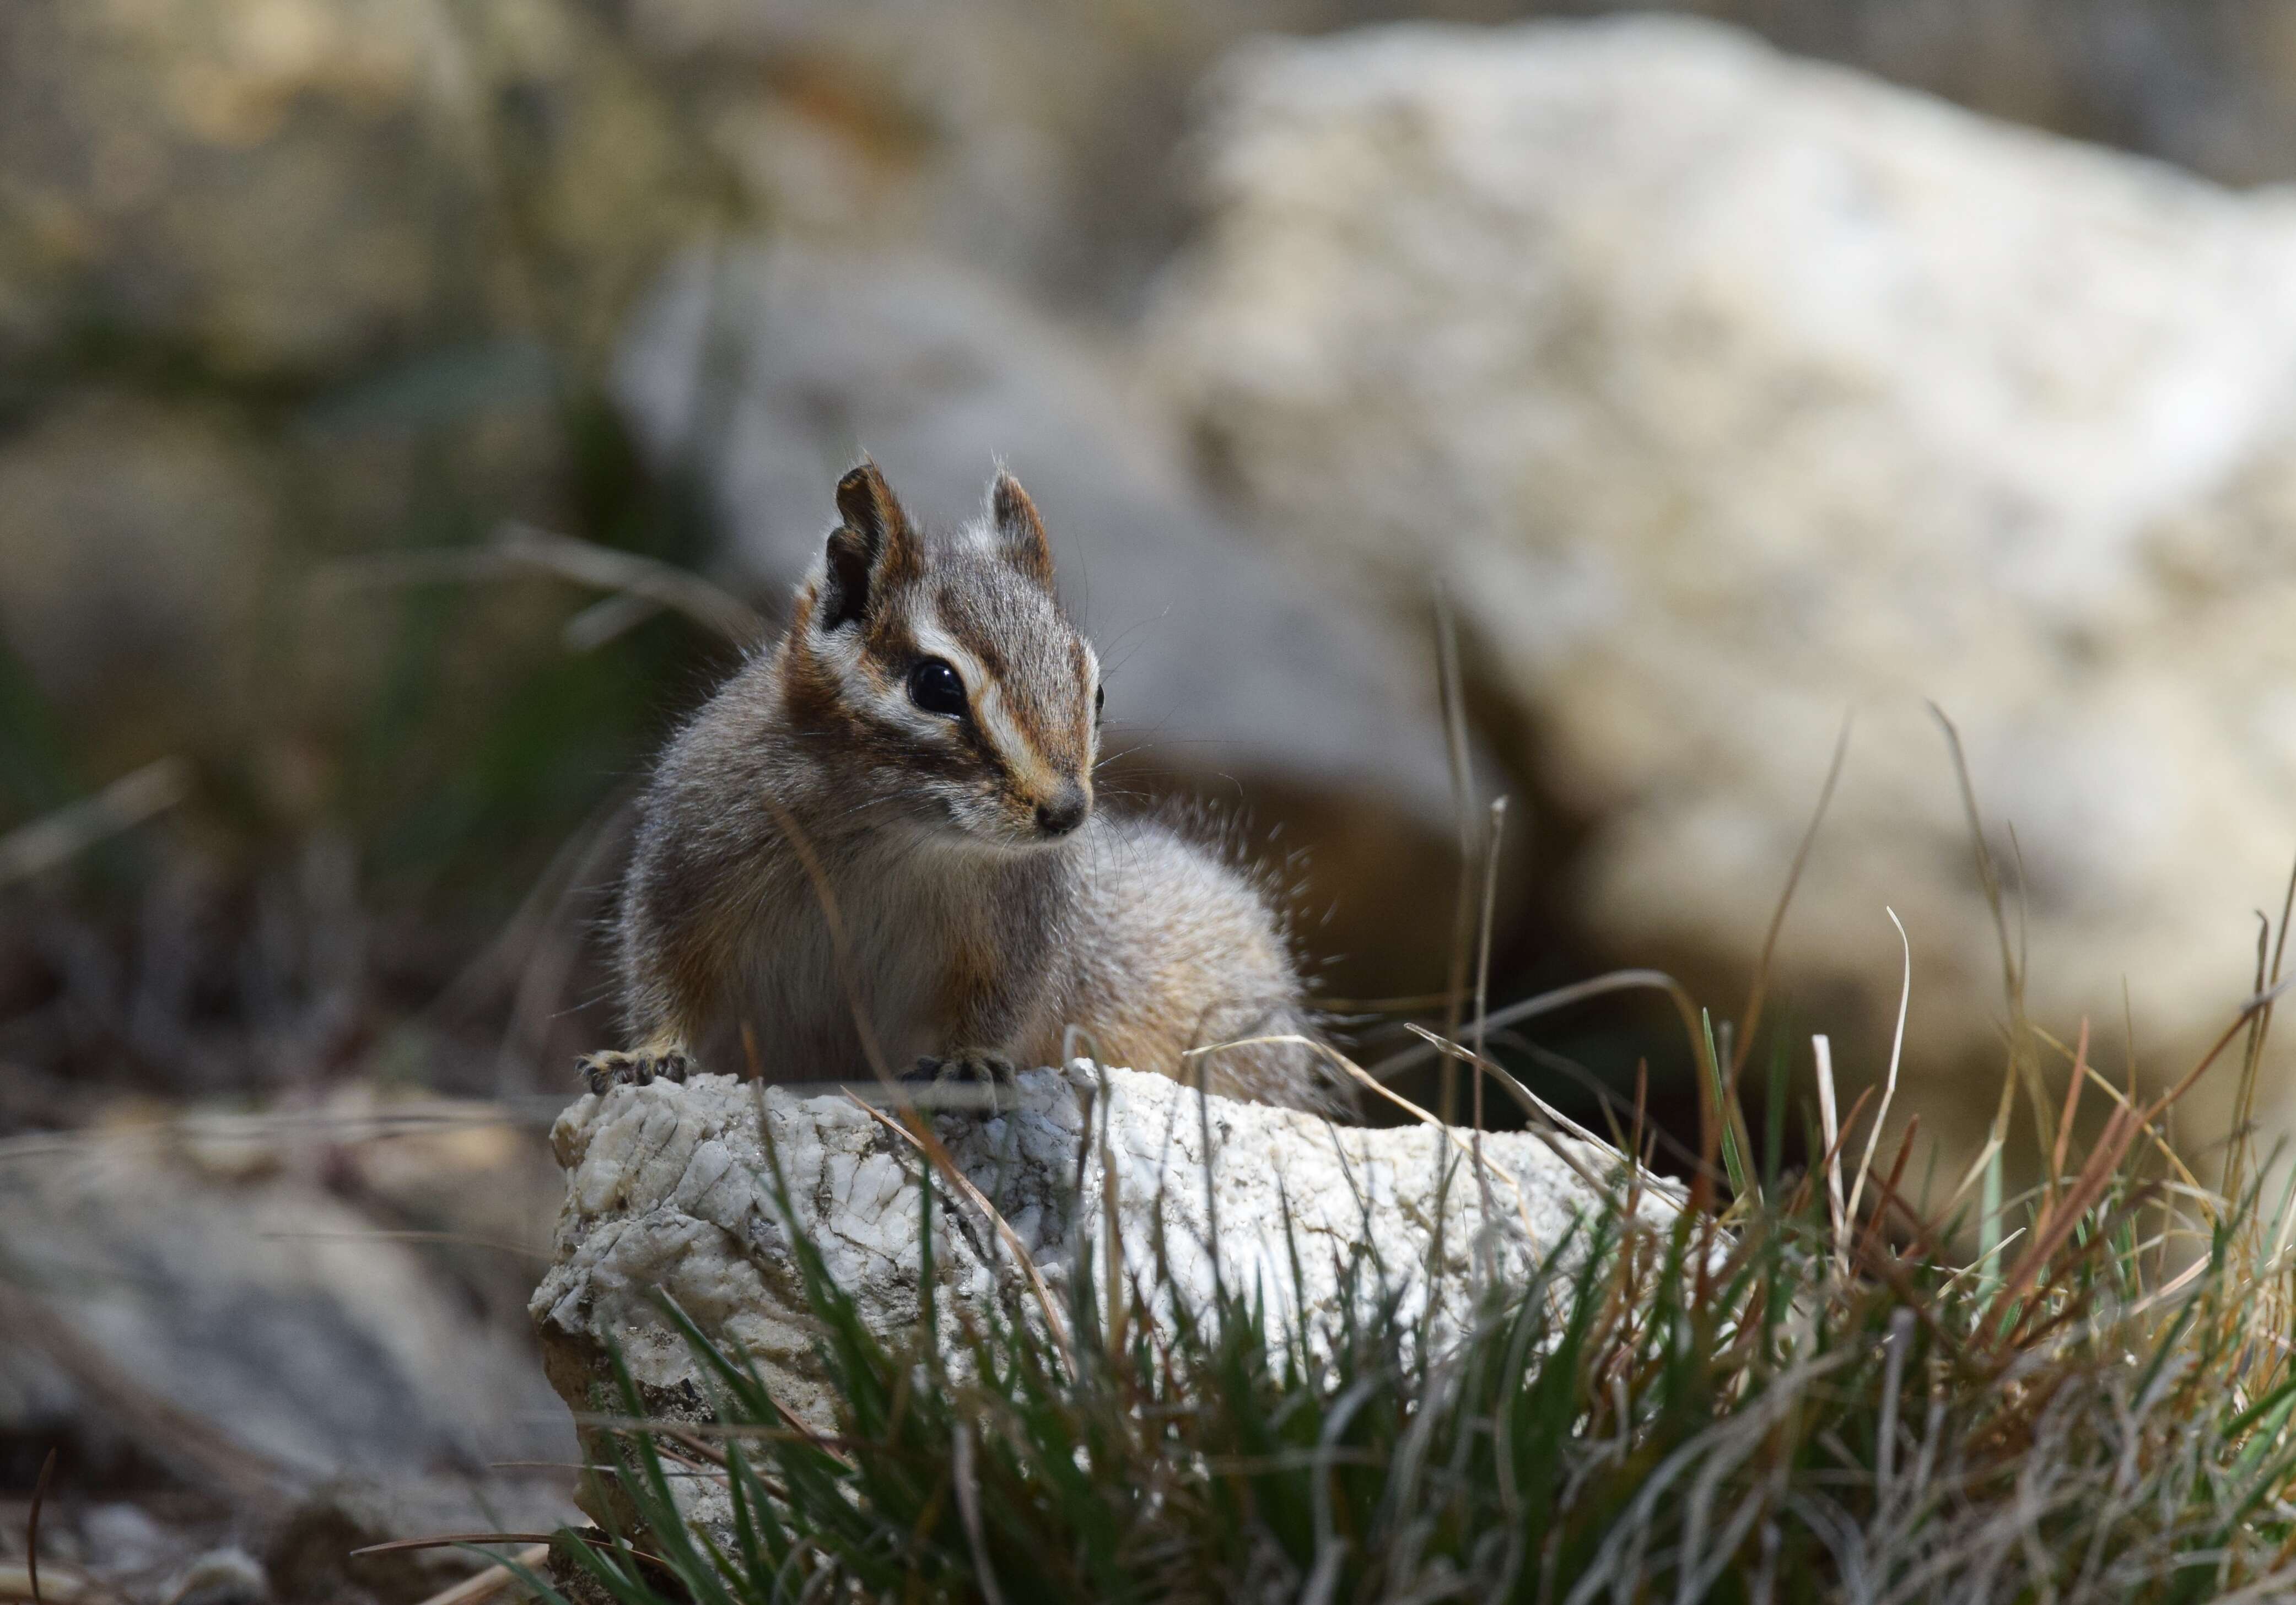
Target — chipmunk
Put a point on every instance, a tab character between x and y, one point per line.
888	817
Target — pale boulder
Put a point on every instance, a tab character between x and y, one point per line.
1736	395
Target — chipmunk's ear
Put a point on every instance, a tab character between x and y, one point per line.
863	549
1013	517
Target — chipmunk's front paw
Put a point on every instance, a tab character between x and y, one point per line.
607	1070
965	1067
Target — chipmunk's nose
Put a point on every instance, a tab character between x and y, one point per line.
1064	811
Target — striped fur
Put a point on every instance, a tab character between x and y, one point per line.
832	875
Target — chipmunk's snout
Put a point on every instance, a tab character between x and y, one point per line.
1064	811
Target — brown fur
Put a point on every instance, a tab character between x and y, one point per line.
815	842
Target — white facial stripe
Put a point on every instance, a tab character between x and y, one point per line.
989	709
845	653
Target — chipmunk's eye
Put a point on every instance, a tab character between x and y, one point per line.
1099	699
937	688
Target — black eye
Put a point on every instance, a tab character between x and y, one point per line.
937	688
1099	699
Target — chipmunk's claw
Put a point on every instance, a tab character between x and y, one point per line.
964	1067
607	1070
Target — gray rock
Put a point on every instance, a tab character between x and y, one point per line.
765	371
236	1314
670	1191
1735	393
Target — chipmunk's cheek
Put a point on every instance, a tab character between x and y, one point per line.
1011	817
949	806
975	811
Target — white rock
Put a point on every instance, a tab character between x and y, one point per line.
1732	394
672	1191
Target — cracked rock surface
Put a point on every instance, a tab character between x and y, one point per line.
671	1190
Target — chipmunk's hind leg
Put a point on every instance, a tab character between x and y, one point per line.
607	1070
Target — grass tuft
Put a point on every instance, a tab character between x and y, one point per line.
1772	1402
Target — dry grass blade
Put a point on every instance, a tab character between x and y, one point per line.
2244	1104
1564	997
968	1506
485	1585
67	1586
607	569
447	1541
1758	992
517	548
32	850
1415	1003
947	1165
1887	1187
1462	794
1829	1132
2098	1174
32	1525
1896	1056
1531	1102
1989	878
1492	840
2072	1106
450	1540
1542	1115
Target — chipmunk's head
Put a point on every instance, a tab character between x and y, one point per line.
943	671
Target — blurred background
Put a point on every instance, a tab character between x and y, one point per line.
378	377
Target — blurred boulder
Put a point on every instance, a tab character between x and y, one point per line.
764	373
281	280
1037	141
1031	142
277	189
1734	395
